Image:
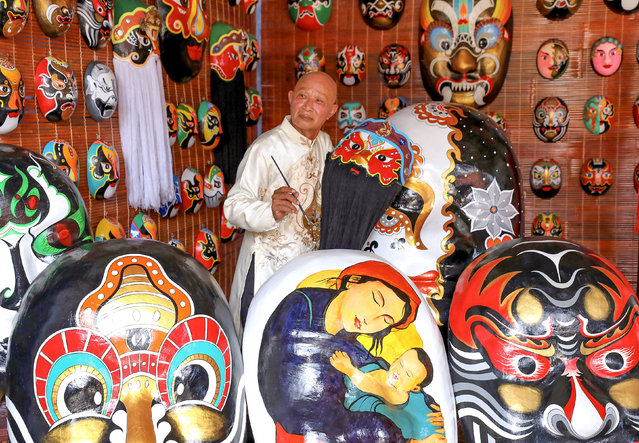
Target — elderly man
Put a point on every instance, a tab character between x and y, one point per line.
280	173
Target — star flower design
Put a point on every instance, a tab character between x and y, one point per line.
491	210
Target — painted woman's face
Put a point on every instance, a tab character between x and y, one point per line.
606	55
552	59
370	307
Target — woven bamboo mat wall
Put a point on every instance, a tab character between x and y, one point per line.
604	223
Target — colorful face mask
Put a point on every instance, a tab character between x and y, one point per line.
465	49
558	9
109	229
11	96
635	177
382	14
171	209
391	105
172	121
226	50
227	229
100	91
103	170
192	191
351	65
606	55
547	224
551	119
54	16
13	17
545	178
309	59
253	106
95	18
310	15
499	119
56	89
177	244
599	114
143	226
622	7
187	126
552	59
250	5
596	176
394	65
252	52
136	31
214	190
635	111
65	157
209	124
206	250
350	115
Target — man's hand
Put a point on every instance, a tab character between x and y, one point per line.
284	201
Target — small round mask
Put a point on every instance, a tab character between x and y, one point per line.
552	59
171	209
206	249
253	106
56	89
351	65
54	16
309	59
599	114
109	229
209	124
382	14
214	189
65	157
13	17
143	226
11	96
172	122
606	55
499	119
103	170
394	65
596	176
350	115
558	9
192	191
551	119
391	105
95	18
177	244
100	91
545	178
547	224
187	126
310	15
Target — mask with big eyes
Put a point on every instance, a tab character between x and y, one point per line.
209	124
214	189
206	249
187	126
596	176
100	91
394	65
558	9
136	32
599	114
54	16
550	120
382	14
95	18
309	59
56	89
253	106
103	167
351	65
310	15
13	17
192	191
171	209
65	157
547	224
545	178
11	96
109	229
350	115
391	105
622	7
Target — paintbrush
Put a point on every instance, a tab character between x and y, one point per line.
298	204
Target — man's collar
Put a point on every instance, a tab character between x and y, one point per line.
293	133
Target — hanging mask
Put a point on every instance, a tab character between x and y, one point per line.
350	115
214	190
599	114
65	157
54	16
606	55
95	18
103	170
394	65
185	28
251	51
551	119
310	15
227	229
545	178
382	14
192	191
136	31
206	250
11	96
172	121
596	176
391	105
351	65
622	6
177	244
499	119
558	9
109	229
171	209
635	178
309	59
547	224
552	59
187	126
13	17
253	106
143	226
465	49
226	50
56	89
250	5
209	125
100	91
635	112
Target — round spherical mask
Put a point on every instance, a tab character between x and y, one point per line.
214	189
558	9
187	126
545	178
253	103
192	191
599	114
11	96
54	16
552	59
65	157
103	170
109	229
209	124
351	65
596	176
143	226
466	63
394	65
96	22
206	249
391	105
172	122
13	17
171	208
309	59
606	55
350	115
550	120
310	15
547	224
56	89
382	14
100	91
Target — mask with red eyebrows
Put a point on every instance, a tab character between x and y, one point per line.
543	345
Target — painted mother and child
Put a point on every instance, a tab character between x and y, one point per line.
336	364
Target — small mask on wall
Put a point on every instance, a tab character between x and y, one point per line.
394	65
547	224
624	7
11	96
558	9
65	157
499	119
143	226
13	17
206	249
103	170
350	115
250	5
635	112
253	103
192	191
310	15
252	52
187	126
226	51
54	16
214	189
545	178
391	105
635	178
100	91
596	176
351	65
209	123
171	209
606	55
599	114
56	89
550	120
552	59
177	244
95	18
382	14
109	229
309	59
172	121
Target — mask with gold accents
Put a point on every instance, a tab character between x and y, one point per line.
54	16
56	89
545	178
206	249
351	65
547	224
187	126
226	50
13	17
65	157
599	114
309	59
596	176
109	229
103	170
209	124
551	119
143	226
310	15
394	65
95	18
558	9
11	96
382	14
391	105
192	191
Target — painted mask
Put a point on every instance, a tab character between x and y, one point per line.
13	17
185	28
635	177
596	176
309	59
209	123
192	191
54	16
599	114
65	157
350	115
351	65
545	178
100	91
136	31
56	89
177	244
214	190
394	65
542	344
171	209
141	347
635	112
558	9
172	122
109	229
622	6
226	50
552	59
310	15
143	226
206	250
499	119
252	52
551	119
227	229
253	106
187	126
11	96
103	170
465	49
547	224
382	14
606	55
391	105
250	5
95	18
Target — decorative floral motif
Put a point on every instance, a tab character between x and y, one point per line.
438	113
491	210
